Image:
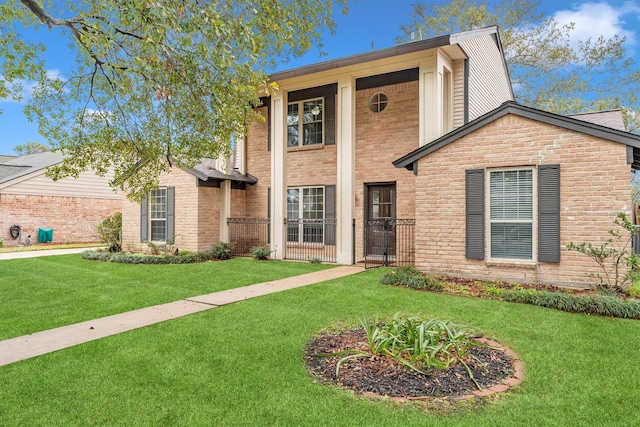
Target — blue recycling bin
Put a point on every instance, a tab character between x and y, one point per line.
45	235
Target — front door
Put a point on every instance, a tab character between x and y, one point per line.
380	226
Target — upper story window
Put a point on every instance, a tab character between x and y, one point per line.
158	214
305	123
378	102
511	213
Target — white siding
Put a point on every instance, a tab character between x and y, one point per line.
88	185
458	94
489	84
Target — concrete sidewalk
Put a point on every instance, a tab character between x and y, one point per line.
43	252
39	343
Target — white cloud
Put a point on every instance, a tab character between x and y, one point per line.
28	87
593	20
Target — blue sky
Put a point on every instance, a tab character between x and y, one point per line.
370	24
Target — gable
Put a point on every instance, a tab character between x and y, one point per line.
562	126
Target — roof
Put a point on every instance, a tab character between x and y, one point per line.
440	41
510	107
610	118
12	167
207	171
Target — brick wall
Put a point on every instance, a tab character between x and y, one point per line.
73	219
382	138
258	162
197	221
595	185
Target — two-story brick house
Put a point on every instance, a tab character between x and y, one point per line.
324	175
325	149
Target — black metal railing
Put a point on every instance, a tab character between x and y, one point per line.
247	233
389	242
311	239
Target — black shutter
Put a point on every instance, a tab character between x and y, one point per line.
171	209
474	213
269	214
330	119
144	219
330	213
549	213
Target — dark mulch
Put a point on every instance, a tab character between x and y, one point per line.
386	377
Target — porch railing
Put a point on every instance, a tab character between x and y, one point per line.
311	239
247	233
389	242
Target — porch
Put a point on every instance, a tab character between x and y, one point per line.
387	241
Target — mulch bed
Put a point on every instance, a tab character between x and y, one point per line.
380	376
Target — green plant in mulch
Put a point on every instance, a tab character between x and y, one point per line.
416	343
222	250
260	252
616	260
607	302
411	277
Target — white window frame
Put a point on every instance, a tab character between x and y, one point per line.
156	214
301	123
303	213
533	220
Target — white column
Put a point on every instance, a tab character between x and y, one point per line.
345	186
225	209
430	119
278	175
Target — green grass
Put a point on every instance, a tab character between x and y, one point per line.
48	292
242	365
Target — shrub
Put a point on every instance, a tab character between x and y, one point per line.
614	257
418	344
260	252
110	230
411	277
222	250
1	242
129	258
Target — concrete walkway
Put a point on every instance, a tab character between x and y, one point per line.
43	252
39	343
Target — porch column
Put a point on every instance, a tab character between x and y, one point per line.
345	186
278	175
225	209
429	118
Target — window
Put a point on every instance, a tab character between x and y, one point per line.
515	195
378	102
158	214
305	204
511	213
309	130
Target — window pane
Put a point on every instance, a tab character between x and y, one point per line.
510	240
158	214
312	133
293	203
511	195
312	111
292	125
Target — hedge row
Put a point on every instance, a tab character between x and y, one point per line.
598	304
128	258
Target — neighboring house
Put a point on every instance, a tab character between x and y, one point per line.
72	208
320	165
514	187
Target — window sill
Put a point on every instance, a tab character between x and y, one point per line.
511	263
306	147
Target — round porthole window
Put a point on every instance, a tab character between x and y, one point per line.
378	102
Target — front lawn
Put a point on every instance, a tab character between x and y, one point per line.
242	364
48	292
